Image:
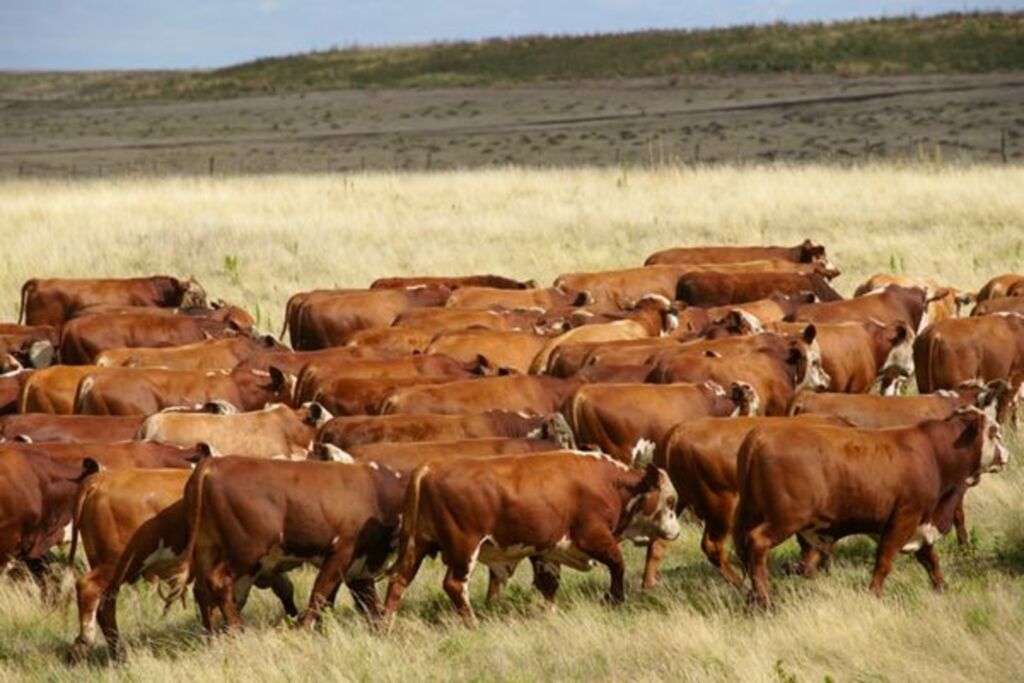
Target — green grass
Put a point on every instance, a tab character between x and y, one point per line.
951	43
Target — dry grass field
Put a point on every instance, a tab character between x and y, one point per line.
254	240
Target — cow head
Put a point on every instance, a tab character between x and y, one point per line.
651	509
192	295
740	322
328	452
980	436
899	362
811	252
748	403
280	387
991	398
805	360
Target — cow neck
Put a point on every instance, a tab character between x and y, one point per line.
956	465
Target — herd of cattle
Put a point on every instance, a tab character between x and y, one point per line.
483	419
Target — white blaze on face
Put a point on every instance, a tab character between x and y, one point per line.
815	378
643	453
994	454
900	360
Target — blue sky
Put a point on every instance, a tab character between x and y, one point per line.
92	34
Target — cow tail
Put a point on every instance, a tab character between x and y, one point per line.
406	559
179	578
76	515
26	289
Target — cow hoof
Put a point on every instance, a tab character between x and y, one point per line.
79	652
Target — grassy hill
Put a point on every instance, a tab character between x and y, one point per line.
951	43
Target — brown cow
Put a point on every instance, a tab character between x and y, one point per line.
494	298
955	351
342	516
554	508
32	345
332	319
700	458
825	483
805	252
943	302
516	393
36	427
1003	304
345	432
999	286
406	457
438	320
619	330
52	302
512	351
856	355
393	341
143	391
891	305
627	421
277	431
453	283
109	508
208	354
293	361
715	288
85	338
775	374
52	390
758	313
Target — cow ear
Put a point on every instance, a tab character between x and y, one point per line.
969	435
650	480
276	378
809	334
582	299
795	356
268	341
902	332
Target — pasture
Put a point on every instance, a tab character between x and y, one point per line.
254	240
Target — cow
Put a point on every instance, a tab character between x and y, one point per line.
857	355
1003	304
510	351
208	354
626	421
393	341
342	516
143	391
406	457
35	427
53	301
516	393
999	286
571	357
453	283
805	252
52	390
775	308
824	483
276	431
294	361
699	456
959	350
348	431
619	330
83	339
357	396
553	508
439	320
775	374
32	345
485	298
315	376
110	507
332	319
715	288
943	302
891	305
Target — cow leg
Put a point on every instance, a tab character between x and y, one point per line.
960	522
888	547
604	548
89	590
204	602
222	591
456	585
285	592
929	559
107	618
546	578
364	595
713	543
655	551
400	580
331	575
756	545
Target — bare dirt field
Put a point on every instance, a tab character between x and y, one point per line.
641	121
